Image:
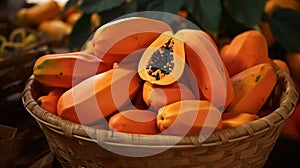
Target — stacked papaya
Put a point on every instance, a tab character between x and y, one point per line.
49	18
141	77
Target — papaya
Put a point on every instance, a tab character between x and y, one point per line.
210	73
134	121
100	95
252	87
230	120
55	28
67	69
49	102
292	124
163	61
282	65
244	51
34	15
117	39
156	96
189	117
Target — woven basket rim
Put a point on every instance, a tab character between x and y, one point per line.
86	133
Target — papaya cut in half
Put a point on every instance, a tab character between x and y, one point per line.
163	62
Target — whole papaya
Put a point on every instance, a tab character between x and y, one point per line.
189	117
117	39
99	96
156	96
68	69
252	87
244	51
36	14
134	121
209	71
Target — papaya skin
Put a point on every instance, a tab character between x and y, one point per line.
282	65
189	117
55	28
34	15
49	102
230	120
156	96
94	98
115	40
244	51
210	72
163	61
134	121
252	87
68	69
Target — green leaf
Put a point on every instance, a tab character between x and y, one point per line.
97	6
69	4
80	33
110	15
285	26
247	12
206	13
173	6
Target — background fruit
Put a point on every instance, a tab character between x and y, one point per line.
38	13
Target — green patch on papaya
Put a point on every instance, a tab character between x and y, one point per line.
257	78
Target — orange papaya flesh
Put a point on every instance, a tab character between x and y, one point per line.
163	61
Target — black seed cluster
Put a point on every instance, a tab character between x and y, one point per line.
161	62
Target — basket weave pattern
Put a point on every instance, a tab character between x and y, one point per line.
248	145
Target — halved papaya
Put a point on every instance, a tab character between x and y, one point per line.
163	61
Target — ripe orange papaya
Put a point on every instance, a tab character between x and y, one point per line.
230	120
282	65
134	121
244	51
209	71
68	69
252	87
36	14
55	28
49	102
156	96
292	125
189	117
117	39
163	61
100	95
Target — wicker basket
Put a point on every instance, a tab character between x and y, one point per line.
14	71
248	145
